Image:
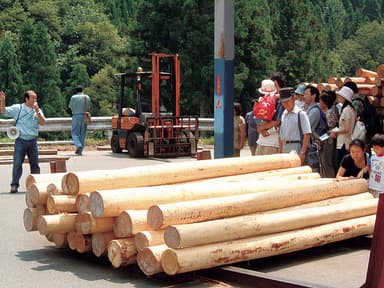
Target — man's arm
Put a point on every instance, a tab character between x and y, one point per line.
304	146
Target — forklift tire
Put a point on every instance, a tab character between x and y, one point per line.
115	146
135	144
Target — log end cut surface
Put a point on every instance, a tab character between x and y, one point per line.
155	217
114	254
96	204
169	262
71	183
148	263
172	237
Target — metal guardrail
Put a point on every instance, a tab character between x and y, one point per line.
97	124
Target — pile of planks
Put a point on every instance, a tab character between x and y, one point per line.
186	216
370	83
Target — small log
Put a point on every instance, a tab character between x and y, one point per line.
38	193
129	222
100	242
88	181
61	223
122	252
61	204
28	200
160	216
367	89
358	80
149	259
365	73
87	224
30	216
79	242
82	203
175	261
144	239
60	240
222	230
49	237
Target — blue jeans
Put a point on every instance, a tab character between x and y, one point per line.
22	148
79	129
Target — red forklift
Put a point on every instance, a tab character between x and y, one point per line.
154	127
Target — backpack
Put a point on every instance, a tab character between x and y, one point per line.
264	109
322	127
368	115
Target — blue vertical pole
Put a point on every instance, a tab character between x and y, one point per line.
224	78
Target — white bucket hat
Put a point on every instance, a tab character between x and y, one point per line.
346	93
267	87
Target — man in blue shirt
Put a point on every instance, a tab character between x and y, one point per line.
79	105
28	116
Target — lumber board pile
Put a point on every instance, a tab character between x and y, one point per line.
229	210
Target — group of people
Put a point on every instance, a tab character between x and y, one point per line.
319	127
28	117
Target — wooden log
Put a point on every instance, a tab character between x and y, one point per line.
38	193
61	223
60	240
28	201
149	259
110	203
54	189
61	204
30	216
222	230
79	242
380	70
89	181
87	224
379	82
175	261
82	203
160	216
367	89
358	80
49	237
44	178
365	73
129	222
340	81
144	239
100	242
122	252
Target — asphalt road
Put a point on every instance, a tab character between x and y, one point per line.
29	260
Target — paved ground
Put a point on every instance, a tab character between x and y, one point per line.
28	260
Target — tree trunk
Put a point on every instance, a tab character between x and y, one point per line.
122	252
38	193
175	261
82	203
61	204
222	230
30	216
88	181
44	178
60	240
365	73
160	216
79	242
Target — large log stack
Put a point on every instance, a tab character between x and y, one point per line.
196	215
370	83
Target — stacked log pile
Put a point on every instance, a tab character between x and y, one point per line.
370	83
195	215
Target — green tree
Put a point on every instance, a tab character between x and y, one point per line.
10	74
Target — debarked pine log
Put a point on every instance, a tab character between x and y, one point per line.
109	203
175	261
82	203
87	224
61	223
44	178
79	242
100	242
144	239
38	193
160	216
129	222
149	259
61	204
30	216
122	252
89	181
196	234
